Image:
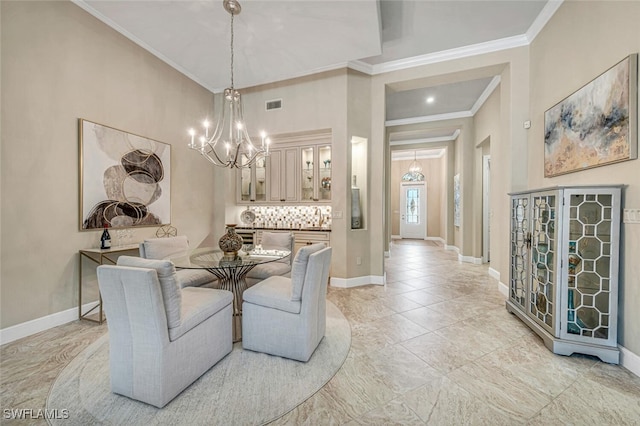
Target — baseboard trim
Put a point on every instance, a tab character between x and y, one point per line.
493	273
629	360
503	289
439	239
25	329
470	259
357	281
452	248
396	237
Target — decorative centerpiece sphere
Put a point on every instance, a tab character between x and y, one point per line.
230	242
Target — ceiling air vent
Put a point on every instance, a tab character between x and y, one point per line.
275	104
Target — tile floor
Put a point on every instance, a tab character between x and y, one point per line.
434	346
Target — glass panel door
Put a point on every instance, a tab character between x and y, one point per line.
520	244
324	164
542	293
261	183
307	168
589	265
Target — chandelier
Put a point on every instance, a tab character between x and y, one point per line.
415	171
227	144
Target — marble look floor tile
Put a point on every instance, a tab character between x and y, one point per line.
356	389
400	369
395	413
423	297
499	389
317	410
589	402
475	342
544	371
383	332
440	353
399	303
442	402
429	319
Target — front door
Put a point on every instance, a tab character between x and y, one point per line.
413	210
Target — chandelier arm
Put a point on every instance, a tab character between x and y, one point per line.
209	151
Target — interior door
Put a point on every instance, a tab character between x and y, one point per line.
413	210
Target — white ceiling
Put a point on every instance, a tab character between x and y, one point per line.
282	39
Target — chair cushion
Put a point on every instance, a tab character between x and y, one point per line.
194	277
270	269
198	304
275	293
169	284
299	268
278	241
163	248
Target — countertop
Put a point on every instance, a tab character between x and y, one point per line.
307	229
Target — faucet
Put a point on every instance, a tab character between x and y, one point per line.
321	217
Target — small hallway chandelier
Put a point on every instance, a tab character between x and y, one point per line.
415	171
227	144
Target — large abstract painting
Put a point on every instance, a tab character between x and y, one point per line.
125	179
595	126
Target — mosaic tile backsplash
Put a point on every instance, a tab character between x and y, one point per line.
293	217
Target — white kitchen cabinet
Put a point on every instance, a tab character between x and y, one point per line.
282	172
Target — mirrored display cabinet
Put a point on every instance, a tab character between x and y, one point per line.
564	267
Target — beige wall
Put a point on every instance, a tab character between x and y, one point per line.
487	132
433	173
60	64
582	40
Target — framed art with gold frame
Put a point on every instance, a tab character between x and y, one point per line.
596	125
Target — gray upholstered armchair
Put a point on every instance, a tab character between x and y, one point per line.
165	248
273	241
287	316
161	338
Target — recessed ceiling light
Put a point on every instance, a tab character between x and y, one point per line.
431	100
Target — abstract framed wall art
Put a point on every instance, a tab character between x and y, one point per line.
125	179
595	126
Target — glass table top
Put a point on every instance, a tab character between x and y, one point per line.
214	258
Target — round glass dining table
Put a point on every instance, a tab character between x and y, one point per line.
230	271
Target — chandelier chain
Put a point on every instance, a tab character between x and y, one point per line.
232	50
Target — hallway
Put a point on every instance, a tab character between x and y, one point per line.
437	346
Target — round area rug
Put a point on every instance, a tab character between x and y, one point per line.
244	388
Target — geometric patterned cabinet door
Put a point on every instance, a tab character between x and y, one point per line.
564	267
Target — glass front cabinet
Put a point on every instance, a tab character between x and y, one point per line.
252	182
564	267
315	176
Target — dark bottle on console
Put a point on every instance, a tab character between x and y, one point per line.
105	239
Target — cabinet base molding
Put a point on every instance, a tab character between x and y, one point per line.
558	346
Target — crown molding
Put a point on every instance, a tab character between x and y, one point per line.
451	54
542	19
495	81
428	118
438	139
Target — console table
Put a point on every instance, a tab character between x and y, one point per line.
100	257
